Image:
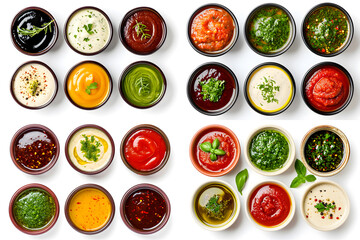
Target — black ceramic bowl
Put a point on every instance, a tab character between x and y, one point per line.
349	36
290	40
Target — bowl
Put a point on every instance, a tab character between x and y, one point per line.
104	139
141	165
154	43
325	51
24	101
134	89
260	101
288	42
91	187
335	107
291	154
232	147
90	43
27	135
37	44
216	52
345	144
215	188
83	98
150	191
323	221
228	96
291	212
50	223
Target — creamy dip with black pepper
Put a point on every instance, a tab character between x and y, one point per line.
88	30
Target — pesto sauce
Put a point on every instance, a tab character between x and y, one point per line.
269	150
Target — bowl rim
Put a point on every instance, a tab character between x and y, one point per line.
343	219
292	28
311	72
82	187
198	135
29	128
292	149
153	188
111	31
192	80
71	135
248	78
67	79
343	138
135	129
35	186
288	218
51	45
13	78
126	71
351	29
229	46
237	199
123	22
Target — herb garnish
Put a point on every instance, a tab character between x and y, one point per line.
92	86
141	28
86	39
268	90
301	177
321	206
212	89
240	179
90	148
215	208
88	28
36	30
213	149
33	86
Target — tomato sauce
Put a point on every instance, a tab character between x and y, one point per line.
270	205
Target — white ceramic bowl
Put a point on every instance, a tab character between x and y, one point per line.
289	160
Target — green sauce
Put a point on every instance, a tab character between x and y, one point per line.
34	209
269	150
324	151
270	29
143	85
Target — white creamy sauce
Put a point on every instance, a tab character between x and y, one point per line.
34	85
278	80
88	30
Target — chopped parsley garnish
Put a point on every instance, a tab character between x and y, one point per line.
212	89
268	90
90	148
321	206
92	86
88	28
215	208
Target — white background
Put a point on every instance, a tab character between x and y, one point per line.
175	116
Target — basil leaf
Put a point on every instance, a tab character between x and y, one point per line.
300	168
213	157
206	146
297	181
216	143
240	179
219	152
310	178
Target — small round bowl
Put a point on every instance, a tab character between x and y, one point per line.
288	218
66	34
130	192
50	224
13	82
106	133
132	131
127	70
234	215
123	24
308	76
305	210
75	191
67	79
194	145
346	150
213	108
289	160
233	40
292	33
251	75
54	28
27	129
350	27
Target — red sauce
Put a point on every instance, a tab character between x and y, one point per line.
328	89
154	30
212	29
145	149
145	209
223	162
270	205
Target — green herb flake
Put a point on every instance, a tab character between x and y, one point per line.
86	39
92	86
90	148
88	28
212	89
268	90
323	206
215	208
140	29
